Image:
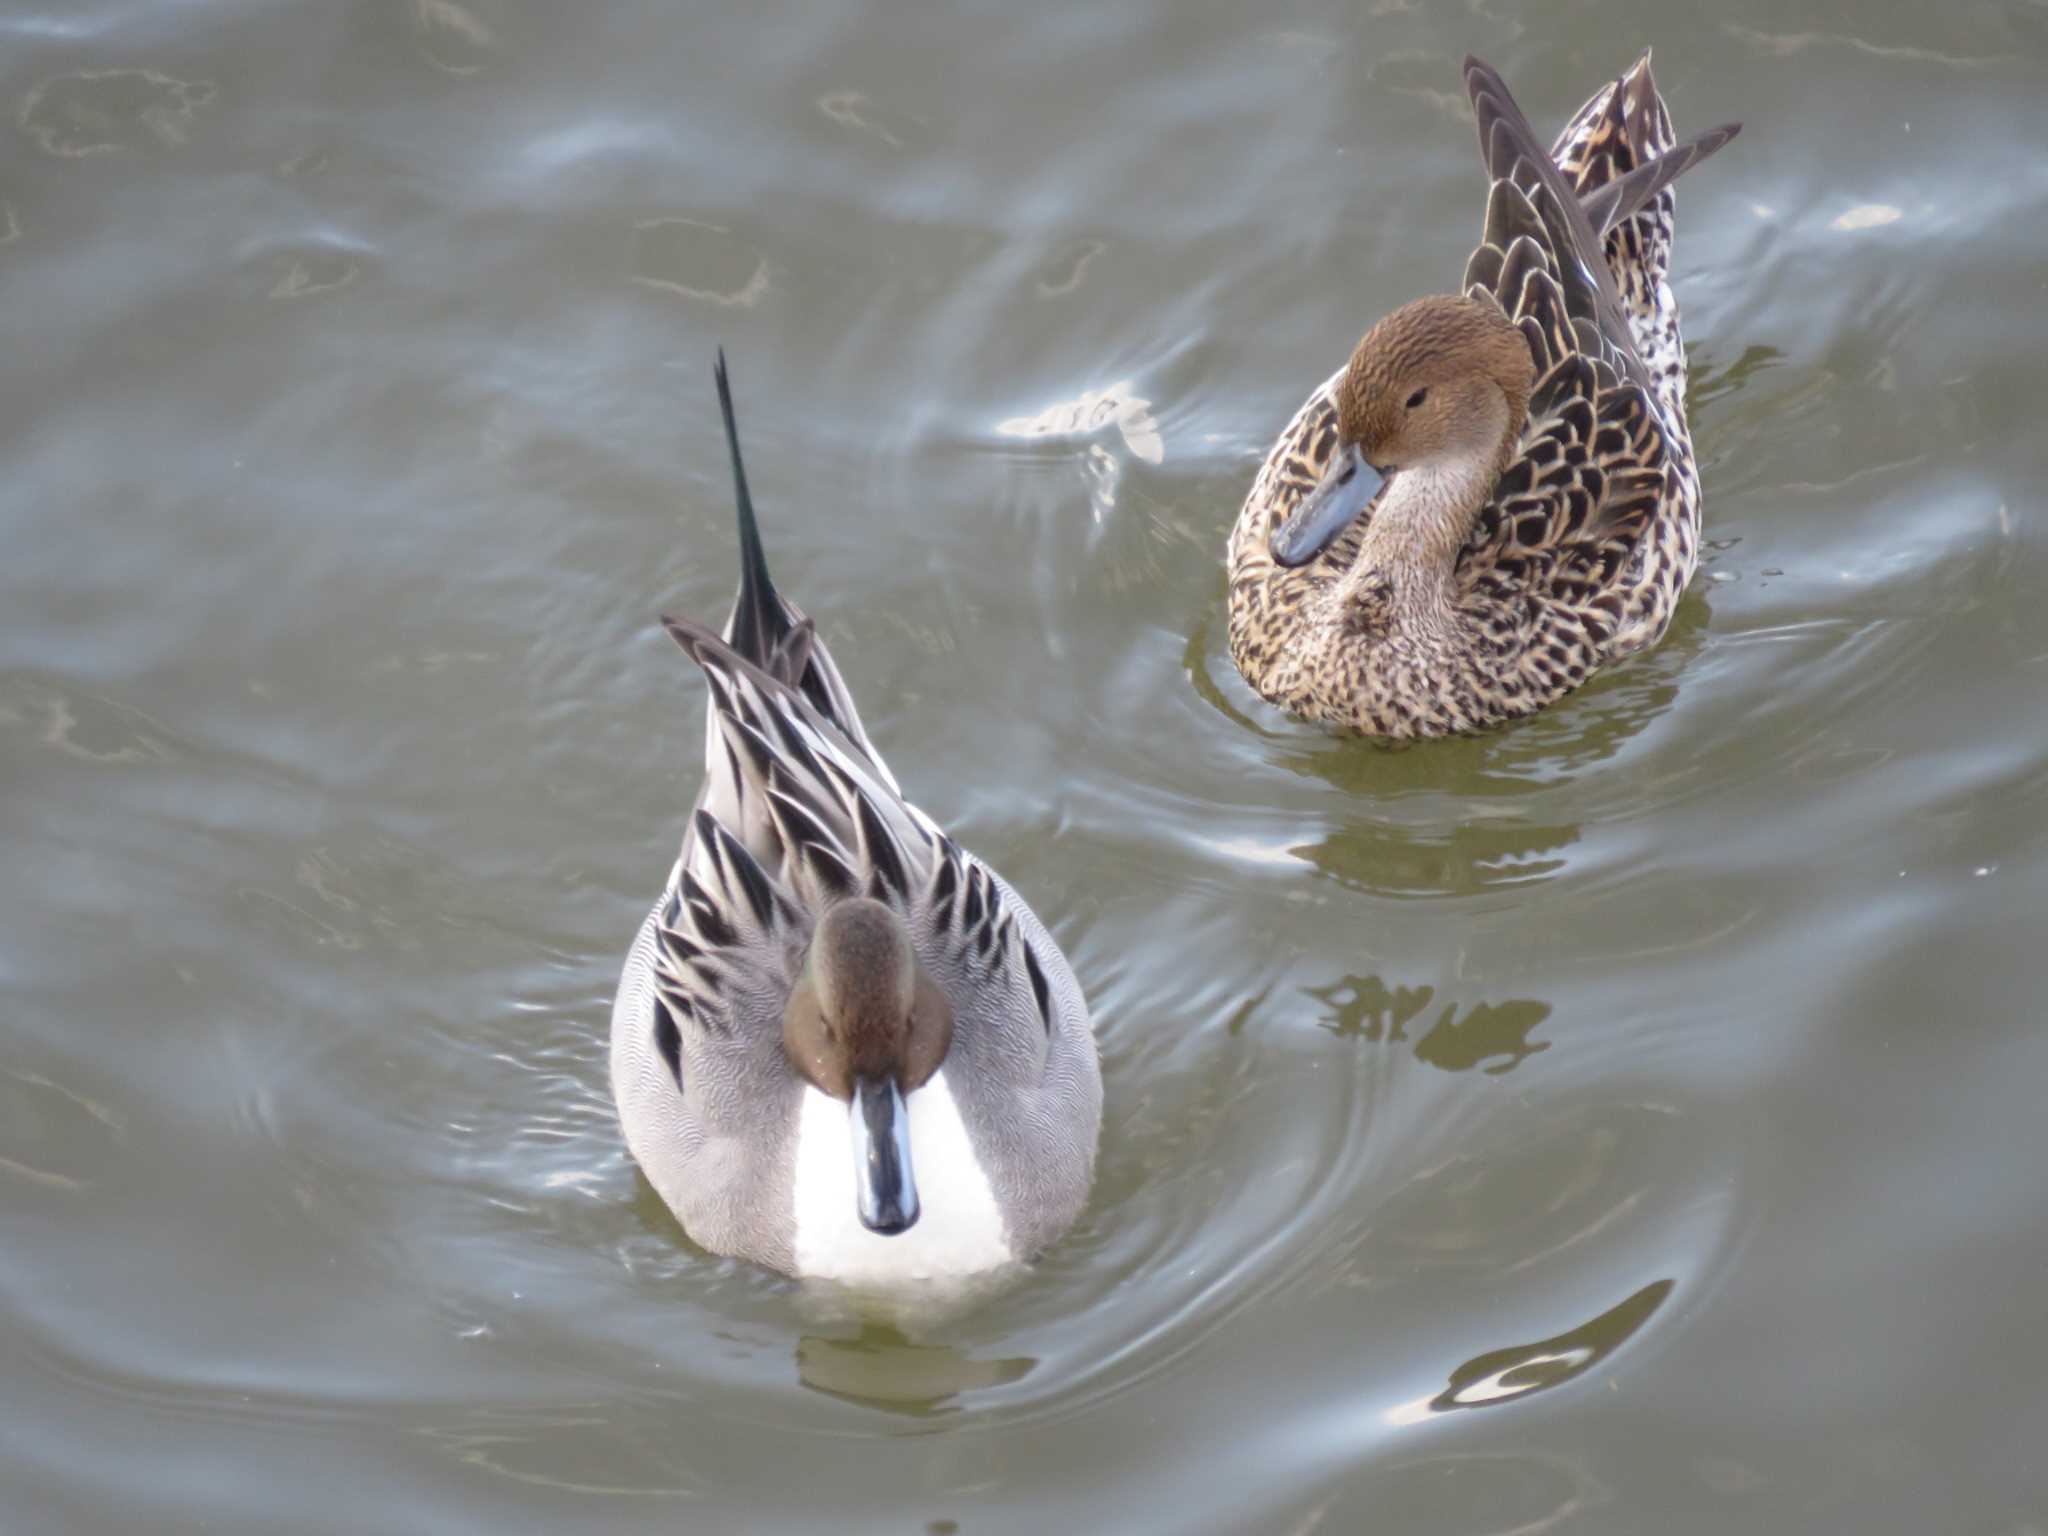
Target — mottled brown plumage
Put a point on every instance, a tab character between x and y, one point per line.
1540	514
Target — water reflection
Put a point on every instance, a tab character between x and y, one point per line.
1502	1375
1487	815
1704	384
1459	818
1391	858
103	111
1364	1006
455	38
880	1368
698	261
1475	1494
56	1138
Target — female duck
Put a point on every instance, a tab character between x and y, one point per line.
842	1046
1497	495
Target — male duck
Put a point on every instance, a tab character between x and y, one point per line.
842	1046
1497	495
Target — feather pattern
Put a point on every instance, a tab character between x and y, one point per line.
1578	556
821	823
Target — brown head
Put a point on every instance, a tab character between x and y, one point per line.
1442	384
865	1024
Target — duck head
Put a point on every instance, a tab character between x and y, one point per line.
1437	391
866	1025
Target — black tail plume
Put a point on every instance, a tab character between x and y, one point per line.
760	622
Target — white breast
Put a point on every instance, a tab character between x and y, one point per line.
959	1230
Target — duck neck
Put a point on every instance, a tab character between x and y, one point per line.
1405	562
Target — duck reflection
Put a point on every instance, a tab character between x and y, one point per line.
1502	1375
1462	816
1394	859
1496	1034
881	1368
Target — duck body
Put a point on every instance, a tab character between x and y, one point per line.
842	1046
1449	535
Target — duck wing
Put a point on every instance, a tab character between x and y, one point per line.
1569	514
1534	221
1592	469
742	909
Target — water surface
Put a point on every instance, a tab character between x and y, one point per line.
1629	1120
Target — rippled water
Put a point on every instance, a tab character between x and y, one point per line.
1627	1121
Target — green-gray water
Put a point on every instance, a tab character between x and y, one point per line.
1629	1121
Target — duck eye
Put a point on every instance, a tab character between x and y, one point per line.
1415	400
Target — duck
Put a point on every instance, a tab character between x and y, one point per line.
842	1046
1496	496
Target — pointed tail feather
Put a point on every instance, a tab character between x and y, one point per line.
766	631
1611	203
1647	122
760	621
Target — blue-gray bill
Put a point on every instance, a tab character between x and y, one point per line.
1347	488
881	1157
